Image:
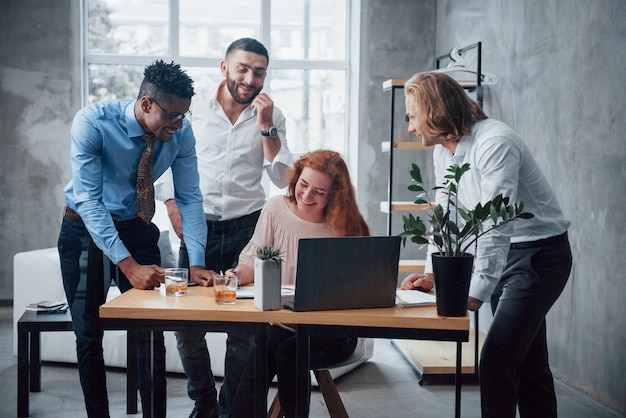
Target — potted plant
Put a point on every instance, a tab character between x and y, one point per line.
267	278
453	229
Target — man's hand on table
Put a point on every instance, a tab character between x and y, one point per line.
142	276
416	281
202	276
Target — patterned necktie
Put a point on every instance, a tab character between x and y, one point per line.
145	180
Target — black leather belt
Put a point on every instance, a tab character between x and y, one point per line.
242	222
119	225
546	242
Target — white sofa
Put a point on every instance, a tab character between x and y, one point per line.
37	276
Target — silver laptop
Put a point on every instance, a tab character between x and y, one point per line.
345	273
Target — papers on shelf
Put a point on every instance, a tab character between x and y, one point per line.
247	292
406	298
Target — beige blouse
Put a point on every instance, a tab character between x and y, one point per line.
279	227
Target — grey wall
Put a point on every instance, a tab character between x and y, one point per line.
561	69
39	94
560	66
397	39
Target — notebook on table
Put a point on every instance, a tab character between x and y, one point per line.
345	273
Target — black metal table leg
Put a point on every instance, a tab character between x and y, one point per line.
22	370
457	380
302	370
149	373
132	382
260	371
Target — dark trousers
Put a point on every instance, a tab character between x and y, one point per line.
225	240
281	361
514	368
83	268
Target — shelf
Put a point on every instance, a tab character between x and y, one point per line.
393	82
435	360
397	82
406	206
404	145
439	357
411	266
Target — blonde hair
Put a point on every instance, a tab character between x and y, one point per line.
448	111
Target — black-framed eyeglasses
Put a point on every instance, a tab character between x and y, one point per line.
174	117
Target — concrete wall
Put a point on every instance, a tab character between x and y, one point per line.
560	66
39	94
561	69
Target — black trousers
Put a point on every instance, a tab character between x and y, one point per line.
83	269
514	368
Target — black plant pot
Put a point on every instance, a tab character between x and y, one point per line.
452	280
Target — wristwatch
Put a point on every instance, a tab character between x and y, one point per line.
272	133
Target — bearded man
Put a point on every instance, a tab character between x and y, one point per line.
239	134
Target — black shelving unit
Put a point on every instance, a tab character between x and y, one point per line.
392	86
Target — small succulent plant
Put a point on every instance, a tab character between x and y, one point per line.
270	254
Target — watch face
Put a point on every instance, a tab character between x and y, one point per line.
273	132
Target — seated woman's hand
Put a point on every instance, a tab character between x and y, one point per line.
417	281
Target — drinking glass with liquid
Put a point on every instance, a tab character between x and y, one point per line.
225	289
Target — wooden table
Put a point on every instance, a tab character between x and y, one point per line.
152	311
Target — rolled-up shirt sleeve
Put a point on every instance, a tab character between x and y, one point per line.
278	169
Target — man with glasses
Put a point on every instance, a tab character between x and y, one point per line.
240	135
117	148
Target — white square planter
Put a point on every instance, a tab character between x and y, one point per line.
266	285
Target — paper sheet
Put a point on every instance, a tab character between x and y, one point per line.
414	298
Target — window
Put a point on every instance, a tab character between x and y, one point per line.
307	40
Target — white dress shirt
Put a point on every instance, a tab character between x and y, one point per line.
231	159
500	163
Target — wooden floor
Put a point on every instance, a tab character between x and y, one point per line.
439	357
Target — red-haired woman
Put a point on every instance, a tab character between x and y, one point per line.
321	203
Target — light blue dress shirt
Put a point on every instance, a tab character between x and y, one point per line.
107	143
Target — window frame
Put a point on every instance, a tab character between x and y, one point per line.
349	64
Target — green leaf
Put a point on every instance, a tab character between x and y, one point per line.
415	173
452	227
270	253
419	240
503	213
479	211
415	188
497	201
494	214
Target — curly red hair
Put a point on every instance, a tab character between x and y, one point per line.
342	212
